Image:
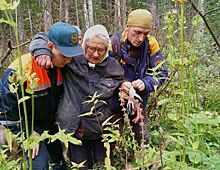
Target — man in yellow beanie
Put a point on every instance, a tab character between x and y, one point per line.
140	18
138	53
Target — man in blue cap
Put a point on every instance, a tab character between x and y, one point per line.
63	43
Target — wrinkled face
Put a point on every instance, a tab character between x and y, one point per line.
136	35
58	59
95	50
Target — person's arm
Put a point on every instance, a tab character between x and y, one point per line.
40	50
38	45
9	103
156	58
8	100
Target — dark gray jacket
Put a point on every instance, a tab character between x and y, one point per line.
81	81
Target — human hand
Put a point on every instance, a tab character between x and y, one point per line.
44	61
138	84
35	150
125	87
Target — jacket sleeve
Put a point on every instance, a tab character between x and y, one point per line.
153	80
114	102
9	104
38	45
8	100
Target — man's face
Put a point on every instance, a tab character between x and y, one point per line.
95	50
136	35
58	59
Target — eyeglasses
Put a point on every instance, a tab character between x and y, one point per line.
100	51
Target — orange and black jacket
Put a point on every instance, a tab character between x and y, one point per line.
47	93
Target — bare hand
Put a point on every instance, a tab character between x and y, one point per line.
138	84
35	150
44	61
125	87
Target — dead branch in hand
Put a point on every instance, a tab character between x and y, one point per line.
10	49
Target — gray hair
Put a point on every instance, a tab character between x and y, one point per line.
106	40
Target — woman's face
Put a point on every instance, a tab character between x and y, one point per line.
95	50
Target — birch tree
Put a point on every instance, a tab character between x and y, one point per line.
66	11
88	13
77	13
117	14
90	7
47	14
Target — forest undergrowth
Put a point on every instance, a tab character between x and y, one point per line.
183	115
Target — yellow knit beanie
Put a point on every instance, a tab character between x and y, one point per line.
140	18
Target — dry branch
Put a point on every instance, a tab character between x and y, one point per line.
10	49
206	23
216	9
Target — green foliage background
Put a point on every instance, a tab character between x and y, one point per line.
184	124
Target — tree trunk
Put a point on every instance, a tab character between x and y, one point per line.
124	11
117	15
154	11
3	40
47	14
30	22
86	14
90	12
61	9
66	11
77	14
21	31
109	14
202	10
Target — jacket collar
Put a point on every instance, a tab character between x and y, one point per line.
102	64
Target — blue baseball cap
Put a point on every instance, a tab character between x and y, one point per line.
66	38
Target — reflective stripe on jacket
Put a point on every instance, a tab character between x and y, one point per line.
47	93
29	64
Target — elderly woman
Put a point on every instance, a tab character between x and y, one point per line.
93	73
85	76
